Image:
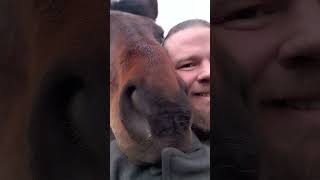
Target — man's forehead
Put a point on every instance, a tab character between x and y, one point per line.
189	35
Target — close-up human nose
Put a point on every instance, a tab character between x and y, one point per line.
204	73
302	47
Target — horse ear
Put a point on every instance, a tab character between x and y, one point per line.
147	8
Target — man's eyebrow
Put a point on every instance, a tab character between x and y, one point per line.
192	57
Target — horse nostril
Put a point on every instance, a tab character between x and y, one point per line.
130	90
129	93
139	100
134	98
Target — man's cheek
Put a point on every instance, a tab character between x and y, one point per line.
253	51
187	77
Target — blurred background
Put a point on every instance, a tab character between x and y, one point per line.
172	12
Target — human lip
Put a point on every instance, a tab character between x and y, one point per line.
201	94
298	112
299	104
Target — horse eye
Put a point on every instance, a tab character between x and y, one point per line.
159	39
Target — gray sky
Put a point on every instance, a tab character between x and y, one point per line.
172	12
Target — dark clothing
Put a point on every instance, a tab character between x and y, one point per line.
175	165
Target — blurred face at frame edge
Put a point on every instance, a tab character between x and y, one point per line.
275	44
189	49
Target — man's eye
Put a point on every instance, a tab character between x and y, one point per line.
186	66
253	12
249	18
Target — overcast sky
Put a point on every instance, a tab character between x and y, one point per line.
172	12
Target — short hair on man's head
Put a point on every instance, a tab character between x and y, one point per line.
187	24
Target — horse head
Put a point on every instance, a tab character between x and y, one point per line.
149	105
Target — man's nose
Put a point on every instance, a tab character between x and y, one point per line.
302	47
204	73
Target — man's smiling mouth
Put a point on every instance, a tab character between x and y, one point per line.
293	103
202	94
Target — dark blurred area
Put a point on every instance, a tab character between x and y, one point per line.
234	143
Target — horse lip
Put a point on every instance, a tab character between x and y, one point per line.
171	123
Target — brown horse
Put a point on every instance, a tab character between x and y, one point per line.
53	89
149	105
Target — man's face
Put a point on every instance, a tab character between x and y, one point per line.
190	52
276	44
